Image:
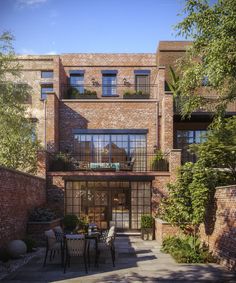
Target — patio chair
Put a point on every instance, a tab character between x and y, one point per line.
52	246
108	242
76	246
58	233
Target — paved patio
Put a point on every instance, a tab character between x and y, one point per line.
137	261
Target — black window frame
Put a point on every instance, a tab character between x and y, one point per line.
43	95
47	71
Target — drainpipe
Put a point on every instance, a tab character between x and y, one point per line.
157	123
45	123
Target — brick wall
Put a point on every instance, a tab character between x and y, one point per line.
219	231
107	115
19	194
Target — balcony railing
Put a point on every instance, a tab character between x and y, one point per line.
96	90
138	162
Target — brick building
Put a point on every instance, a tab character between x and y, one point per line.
101	119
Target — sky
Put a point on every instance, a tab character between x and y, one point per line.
89	26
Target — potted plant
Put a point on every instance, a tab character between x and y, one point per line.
61	162
159	163
135	95
70	222
147	225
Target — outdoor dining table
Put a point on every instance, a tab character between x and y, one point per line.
94	236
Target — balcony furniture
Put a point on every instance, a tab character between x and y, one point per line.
105	166
107	241
52	246
128	165
76	246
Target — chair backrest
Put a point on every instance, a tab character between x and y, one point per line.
111	235
58	233
76	245
51	238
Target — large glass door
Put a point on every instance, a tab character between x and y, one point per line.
109	203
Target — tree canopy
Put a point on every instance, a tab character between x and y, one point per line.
211	60
18	143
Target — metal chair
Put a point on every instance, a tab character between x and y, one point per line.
52	246
76	245
108	242
58	233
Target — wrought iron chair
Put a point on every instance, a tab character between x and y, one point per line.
52	246
107	241
58	233
76	245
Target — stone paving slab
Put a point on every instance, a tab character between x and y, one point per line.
137	261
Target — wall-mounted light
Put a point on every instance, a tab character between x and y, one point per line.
125	81
94	82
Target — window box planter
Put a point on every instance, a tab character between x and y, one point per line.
136	96
87	96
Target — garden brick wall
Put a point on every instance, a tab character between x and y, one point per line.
19	194
219	231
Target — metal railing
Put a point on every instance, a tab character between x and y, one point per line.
138	162
96	90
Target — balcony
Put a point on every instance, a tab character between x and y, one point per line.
96	90
138	162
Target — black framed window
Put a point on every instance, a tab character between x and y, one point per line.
77	82
111	148
46	74
184	138
45	88
142	84
109	82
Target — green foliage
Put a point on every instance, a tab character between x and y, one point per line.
42	214
174	83
18	145
186	249
30	244
212	55
188	197
219	149
147	221
70	222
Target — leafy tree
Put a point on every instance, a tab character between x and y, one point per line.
211	60
219	150
18	146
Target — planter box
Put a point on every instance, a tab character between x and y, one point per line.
147	234
164	229
36	229
137	96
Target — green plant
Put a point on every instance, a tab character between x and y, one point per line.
30	243
159	156
18	142
73	92
42	214
147	221
186	249
70	222
90	92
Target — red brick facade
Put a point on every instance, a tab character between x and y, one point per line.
219	231
19	194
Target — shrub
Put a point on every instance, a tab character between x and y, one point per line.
70	222
30	244
42	214
147	221
186	249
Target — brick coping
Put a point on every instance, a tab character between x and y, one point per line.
21	173
226	187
